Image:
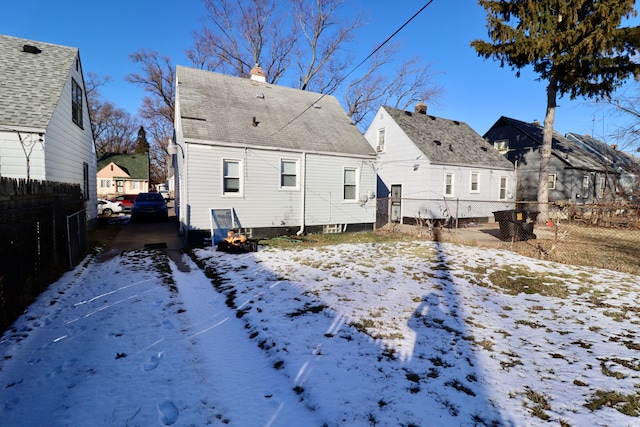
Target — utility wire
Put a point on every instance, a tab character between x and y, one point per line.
359	65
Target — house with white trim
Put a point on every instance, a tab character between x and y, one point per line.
434	168
278	160
45	130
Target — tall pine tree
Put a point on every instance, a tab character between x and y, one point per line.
577	46
142	145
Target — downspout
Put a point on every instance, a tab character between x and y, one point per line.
303	191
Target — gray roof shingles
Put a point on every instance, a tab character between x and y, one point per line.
570	153
220	108
31	84
445	141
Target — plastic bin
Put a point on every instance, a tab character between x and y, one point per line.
516	224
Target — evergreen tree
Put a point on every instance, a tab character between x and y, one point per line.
142	145
577	46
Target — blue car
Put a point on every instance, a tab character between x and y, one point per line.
149	206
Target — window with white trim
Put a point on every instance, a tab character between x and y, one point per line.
475	182
502	145
585	182
105	183
349	183
231	177
135	185
448	184
289	174
503	188
602	183
552	181
380	140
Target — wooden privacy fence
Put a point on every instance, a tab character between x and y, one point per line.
43	233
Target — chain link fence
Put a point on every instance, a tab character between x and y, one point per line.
599	235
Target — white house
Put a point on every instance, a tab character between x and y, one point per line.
430	167
45	130
274	159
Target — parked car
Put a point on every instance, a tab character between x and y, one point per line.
127	200
149	206
165	195
108	208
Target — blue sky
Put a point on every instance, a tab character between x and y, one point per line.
476	91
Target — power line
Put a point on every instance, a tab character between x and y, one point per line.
359	65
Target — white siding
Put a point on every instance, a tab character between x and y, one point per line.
262	202
423	183
59	153
67	146
324	196
14	155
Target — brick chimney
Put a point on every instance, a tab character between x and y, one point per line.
421	108
257	74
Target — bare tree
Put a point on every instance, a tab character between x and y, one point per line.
114	129
409	83
239	34
158	81
626	104
325	33
157	78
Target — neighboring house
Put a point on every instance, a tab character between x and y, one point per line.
280	160
437	168
45	130
122	174
575	175
624	165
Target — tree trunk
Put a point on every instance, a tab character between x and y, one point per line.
545	151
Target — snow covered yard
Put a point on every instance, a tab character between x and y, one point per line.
376	334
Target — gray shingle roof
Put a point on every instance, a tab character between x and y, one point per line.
31	84
221	108
569	152
609	156
446	141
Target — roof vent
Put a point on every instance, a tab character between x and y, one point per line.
316	105
407	113
260	95
30	49
483	148
435	141
456	122
432	117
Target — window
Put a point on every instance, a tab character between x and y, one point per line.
475	182
289	174
231	177
448	184
85	180
601	185
105	183
349	184
585	182
380	141
135	185
503	188
502	145
76	103
552	181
